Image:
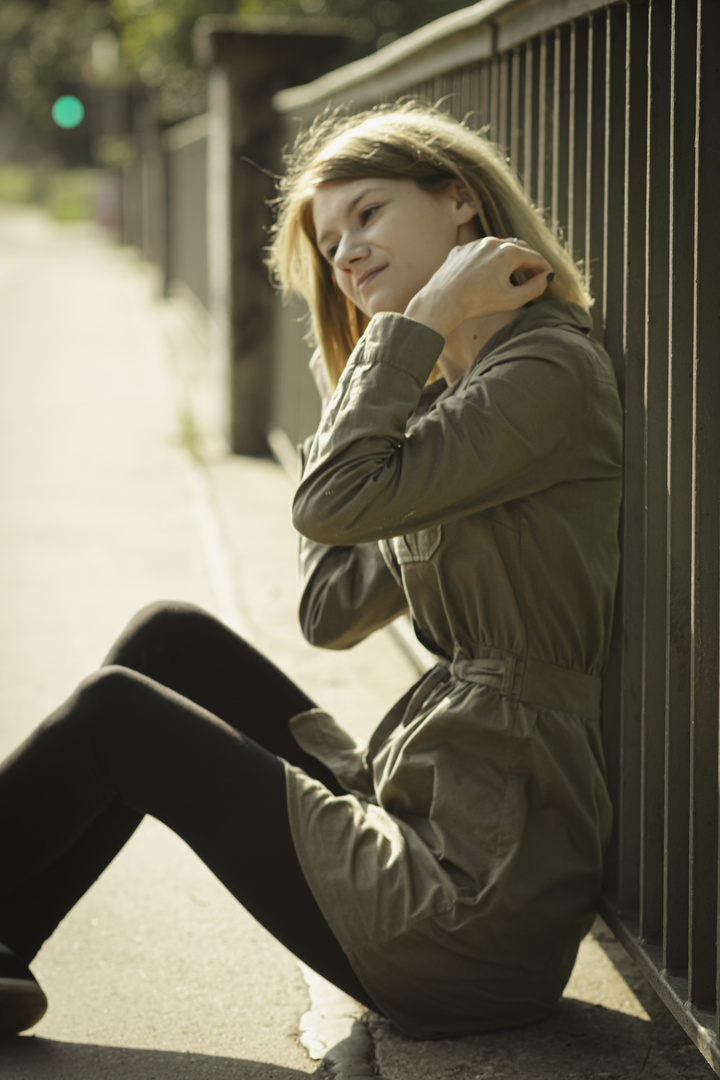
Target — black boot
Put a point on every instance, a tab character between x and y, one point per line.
22	1001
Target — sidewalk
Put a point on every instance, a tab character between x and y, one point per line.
158	973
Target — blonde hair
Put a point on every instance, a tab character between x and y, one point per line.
403	141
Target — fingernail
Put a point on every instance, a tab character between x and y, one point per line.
551	276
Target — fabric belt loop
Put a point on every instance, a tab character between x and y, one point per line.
509	676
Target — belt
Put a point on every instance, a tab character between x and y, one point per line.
533	681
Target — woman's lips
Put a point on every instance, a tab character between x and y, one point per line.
369	276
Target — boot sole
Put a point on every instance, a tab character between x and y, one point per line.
22	1004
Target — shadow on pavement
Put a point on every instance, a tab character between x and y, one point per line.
580	1039
32	1058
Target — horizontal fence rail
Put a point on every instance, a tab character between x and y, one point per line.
609	114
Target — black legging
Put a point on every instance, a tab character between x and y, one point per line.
185	721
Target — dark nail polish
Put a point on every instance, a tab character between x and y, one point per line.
551	276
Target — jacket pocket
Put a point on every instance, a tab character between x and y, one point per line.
418	546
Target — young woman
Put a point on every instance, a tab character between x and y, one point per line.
467	468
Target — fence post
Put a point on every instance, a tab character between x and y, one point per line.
249	61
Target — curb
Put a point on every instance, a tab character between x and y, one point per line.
334	1031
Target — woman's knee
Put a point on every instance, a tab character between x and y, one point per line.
162	617
114	722
102	701
161	626
111	690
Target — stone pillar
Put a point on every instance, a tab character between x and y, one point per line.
250	60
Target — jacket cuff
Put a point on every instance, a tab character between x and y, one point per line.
405	344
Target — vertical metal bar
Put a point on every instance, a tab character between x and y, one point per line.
455	102
623	245
614	236
706	519
517	111
614	177
434	92
561	132
541	172
541	108
571	137
422	91
484	96
580	111
466	98
655	454
459	86
494	111
546	61
545	163
595	166
679	485
473	106
504	73
442	92
591	202
579	136
532	82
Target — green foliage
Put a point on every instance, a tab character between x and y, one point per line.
374	23
116	151
67	194
43	47
49	46
19	184
156	47
72	194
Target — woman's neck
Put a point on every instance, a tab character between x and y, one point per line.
464	343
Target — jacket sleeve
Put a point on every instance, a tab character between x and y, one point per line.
346	593
371	475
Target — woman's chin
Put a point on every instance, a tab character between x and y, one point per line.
380	306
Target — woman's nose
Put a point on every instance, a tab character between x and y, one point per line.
348	251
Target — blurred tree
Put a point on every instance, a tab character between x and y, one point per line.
49	48
156	35
52	47
156	46
39	47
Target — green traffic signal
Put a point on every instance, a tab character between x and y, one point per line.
68	111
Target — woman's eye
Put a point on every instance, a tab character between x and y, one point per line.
367	213
330	253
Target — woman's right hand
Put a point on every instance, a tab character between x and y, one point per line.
475	281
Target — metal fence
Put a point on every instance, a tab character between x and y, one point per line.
610	116
185	160
164	204
185	149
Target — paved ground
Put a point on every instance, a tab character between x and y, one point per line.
157	973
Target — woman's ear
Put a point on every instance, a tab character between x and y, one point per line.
465	213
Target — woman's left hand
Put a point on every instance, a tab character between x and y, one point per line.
475	281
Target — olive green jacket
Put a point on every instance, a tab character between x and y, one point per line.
460	871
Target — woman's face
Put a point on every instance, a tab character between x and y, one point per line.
384	239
